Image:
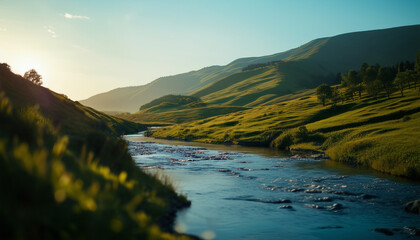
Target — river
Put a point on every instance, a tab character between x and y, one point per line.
260	193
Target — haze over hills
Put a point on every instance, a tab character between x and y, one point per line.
301	68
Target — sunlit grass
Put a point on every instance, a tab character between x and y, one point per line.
52	191
381	133
64	173
179	116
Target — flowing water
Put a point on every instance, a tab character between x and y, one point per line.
259	193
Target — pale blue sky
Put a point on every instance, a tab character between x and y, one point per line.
86	47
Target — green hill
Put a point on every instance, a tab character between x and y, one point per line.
130	98
172	103
180	116
381	133
265	84
69	116
65	175
317	62
323	56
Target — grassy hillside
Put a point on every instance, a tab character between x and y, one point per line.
172	103
76	181
311	64
179	116
328	55
266	84
381	133
348	51
130	98
70	117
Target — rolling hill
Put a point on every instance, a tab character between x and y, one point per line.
129	99
300	68
312	64
265	85
172	103
69	116
179	116
381	133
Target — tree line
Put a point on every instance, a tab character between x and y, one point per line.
372	79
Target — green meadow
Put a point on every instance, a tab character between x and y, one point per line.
180	116
381	133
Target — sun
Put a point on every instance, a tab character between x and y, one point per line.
26	63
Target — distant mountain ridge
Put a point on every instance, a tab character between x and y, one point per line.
131	98
317	58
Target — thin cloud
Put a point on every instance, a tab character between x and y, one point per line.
70	16
51	31
3	29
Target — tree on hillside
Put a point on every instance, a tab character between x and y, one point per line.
363	69
33	76
324	92
336	95
385	76
401	80
4	66
369	80
353	82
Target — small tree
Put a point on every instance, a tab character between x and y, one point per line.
33	76
353	81
369	75
374	88
336	95
386	78
400	81
324	92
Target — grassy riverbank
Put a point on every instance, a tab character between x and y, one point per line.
380	133
64	173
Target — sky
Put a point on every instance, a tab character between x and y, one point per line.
82	48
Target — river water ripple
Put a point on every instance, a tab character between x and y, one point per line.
249	193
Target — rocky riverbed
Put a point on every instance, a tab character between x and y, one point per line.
237	194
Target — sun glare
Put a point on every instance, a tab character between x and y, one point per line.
26	63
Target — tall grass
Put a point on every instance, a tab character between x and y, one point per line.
54	188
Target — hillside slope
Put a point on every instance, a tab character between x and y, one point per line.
381	133
70	117
265	84
75	182
314	63
330	55
172	103
129	99
180	116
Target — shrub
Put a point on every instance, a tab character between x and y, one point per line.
283	141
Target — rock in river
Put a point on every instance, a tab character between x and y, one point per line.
413	206
384	231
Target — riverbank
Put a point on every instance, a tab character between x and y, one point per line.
379	133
